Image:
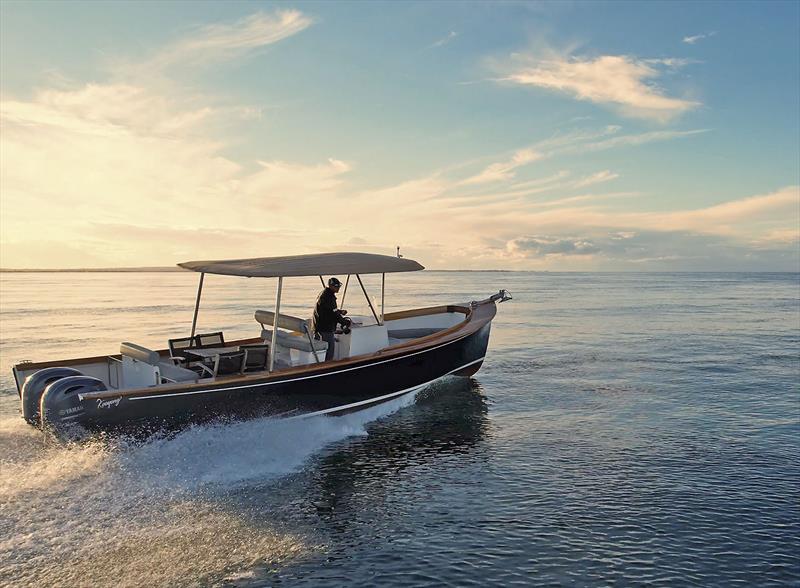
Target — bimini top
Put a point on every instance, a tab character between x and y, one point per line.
318	264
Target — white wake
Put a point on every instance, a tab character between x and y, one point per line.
118	512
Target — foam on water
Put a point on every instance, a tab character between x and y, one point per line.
118	512
234	453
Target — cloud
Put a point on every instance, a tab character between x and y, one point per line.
673	63
504	170
444	40
597	178
520	194
148	169
141	174
123	154
787	236
108	110
544	246
547	181
691	40
746	219
628	141
603	249
102	143
622	81
218	42
782	205
141	150
584	232
583	198
572	143
499	205
151	241
282	178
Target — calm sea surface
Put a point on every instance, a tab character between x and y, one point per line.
625	429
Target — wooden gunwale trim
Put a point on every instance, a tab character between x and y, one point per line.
393	316
476	318
63	362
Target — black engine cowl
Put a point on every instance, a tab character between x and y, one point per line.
34	387
61	405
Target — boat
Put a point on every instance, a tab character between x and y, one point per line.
280	371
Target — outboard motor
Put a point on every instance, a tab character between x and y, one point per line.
34	386
61	406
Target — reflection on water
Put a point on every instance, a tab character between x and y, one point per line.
450	418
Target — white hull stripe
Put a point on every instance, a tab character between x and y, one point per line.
358	367
381	398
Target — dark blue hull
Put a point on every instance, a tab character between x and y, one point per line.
332	389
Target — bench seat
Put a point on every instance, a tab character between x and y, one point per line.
294	341
166	369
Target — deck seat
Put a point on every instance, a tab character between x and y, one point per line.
296	347
285	321
139	353
294	341
256	357
291	323
293	350
165	369
175	373
228	363
210	339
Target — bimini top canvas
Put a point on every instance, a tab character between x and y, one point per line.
305	265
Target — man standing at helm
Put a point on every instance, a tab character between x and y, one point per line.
327	316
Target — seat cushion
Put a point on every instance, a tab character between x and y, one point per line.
139	353
176	373
285	321
294	342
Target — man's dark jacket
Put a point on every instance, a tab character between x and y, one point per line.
326	315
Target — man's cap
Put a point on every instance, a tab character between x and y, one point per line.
334	282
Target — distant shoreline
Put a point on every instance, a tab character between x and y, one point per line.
128	270
178	269
91	270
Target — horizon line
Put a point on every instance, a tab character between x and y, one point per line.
170	269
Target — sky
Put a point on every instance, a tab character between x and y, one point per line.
563	136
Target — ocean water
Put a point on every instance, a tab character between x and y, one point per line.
625	429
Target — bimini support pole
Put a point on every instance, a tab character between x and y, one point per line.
383	294
344	293
275	325
372	308
197	302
